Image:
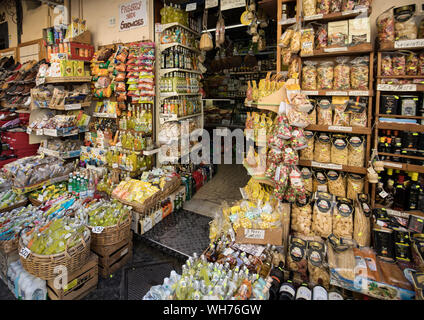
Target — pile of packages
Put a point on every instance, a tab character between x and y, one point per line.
9	198
403	63
134	191
104	213
51	192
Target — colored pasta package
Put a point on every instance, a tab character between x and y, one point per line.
386	65
336	5
312	114
306	175
325	74
322	150
421	64
308	152
322	212
341	118
357	108
338	33
296	118
386	26
321	37
301	216
295	42
399	65
355	185
356	149
320	182
336	183
405	24
309	7
286	37
343	218
324	112
323	6
348	5
362	221
359	73
339	150
412	64
296	257
309	76
317	266
341	74
307	42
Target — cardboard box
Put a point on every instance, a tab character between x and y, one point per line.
359	30
271	236
338	33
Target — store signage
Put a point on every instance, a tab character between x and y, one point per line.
326	165
211	4
24	252
340	128
231	4
132	15
313	17
359	93
74	106
335	49
336	93
191	6
391	164
348	12
288	21
397	87
254	234
409	43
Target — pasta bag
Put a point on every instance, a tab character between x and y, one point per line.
336	183
362	221
317	266
355	185
295	42
307	42
343	218
301	216
307	178
324	112
341	262
339	150
286	37
309	76
320	182
321	218
322	151
308	152
312	114
296	257
356	156
325	74
309	7
341	74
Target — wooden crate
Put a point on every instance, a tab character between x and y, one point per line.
112	258
5	260
80	283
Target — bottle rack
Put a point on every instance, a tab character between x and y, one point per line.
330	53
382	88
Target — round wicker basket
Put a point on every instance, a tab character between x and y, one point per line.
112	234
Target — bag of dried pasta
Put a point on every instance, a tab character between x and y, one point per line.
323	6
322	147
341	262
324	112
386	26
343	218
309	7
286	55
386	65
412	64
339	149
359	73
306	175
301	216
325	73
399	64
296	256
341	74
307	42
320	182
286	37
308	152
341	118
295	41
312	114
336	6
362	221
355	185
293	72
317	265
356	156
321	217
336	183
357	108
309	76
321	37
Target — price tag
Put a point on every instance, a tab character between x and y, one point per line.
74	106
310	93
326	165
313	17
359	93
39	132
347	12
340	128
397	87
254	234
282	107
158	27
409	43
230	4
383	194
391	164
191	6
336	49
28	130
115	166
211	4
147	224
24	252
336	93
288	21
158	216
97	229
255	250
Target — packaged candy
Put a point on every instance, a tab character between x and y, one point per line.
339	150
348	5
309	76
322	148
275	155
359	73
325	73
341	74
298	140
336	5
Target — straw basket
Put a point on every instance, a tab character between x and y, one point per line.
113	234
9	246
43	266
34	201
18	205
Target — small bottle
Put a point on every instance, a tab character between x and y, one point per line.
319	293
287	291
303	292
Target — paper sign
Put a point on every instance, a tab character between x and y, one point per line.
133	15
311	93
391	164
74	106
191	6
313	17
336	93
409	43
158	216
326	165
397	87
282	108
288	21
124	252
347	12
254	234
211	4
359	93
340	128
147	224
97	229
28	130
230	4
24	252
336	49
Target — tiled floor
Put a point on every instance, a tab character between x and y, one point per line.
225	186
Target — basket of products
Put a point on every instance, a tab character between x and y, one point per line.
109	222
51	192
59	242
10	200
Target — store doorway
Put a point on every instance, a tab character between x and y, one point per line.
4	36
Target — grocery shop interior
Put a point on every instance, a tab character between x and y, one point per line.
212	150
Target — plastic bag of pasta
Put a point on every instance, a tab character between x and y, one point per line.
325	73
343	218
321	217
322	147
339	150
301	216
357	108
306	175
321	37
320	182
323	6
296	257
355	185
341	261
362	221
399	64
386	65
309	75
386	26
317	265
295	42
286	37
309	7
341	74
308	152
312	114
324	112
356	147
336	6
287	56
341	118
293	72
412	64
359	73
336	183
307	42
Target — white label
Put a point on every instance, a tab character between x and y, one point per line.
28	130
391	164
40	198
327	165
383	194
158	216
211	4
24	252
336	93
191	6
147	224
347	12
50	132
359	93
304	293
286	288
313	17
158	27
97	229
74	106
115	166
254	234
311	93
282	108
409	43
319	293
253	249
397	87
334	296
336	49
340	128
124	252
288	21
230	4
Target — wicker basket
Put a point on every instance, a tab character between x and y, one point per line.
18	205
113	234
42	266
34	201
9	246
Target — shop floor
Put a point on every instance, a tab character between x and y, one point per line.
182	232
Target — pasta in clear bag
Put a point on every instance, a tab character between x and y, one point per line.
309	76
321	217
359	73
325	75
339	150
341	118
356	152
296	256
362	221
308	152
343	218
320	182
341	74
355	185
301	217
317	266
322	147
307	178
307	42
309	7
324	112
336	183
295	42
286	37
312	114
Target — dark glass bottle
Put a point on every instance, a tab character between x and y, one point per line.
400	193
277	276
413	193
287	291
303	292
389	188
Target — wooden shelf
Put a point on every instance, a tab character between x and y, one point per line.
398	116
331	166
400	126
341	51
362	93
357	130
176	24
417	44
400	213
335	16
67	79
400	156
401	77
404	166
